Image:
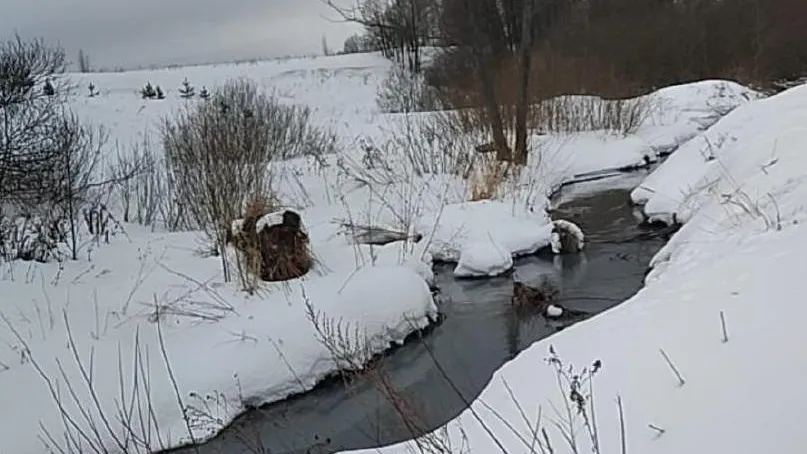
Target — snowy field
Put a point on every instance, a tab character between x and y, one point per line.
684	378
103	330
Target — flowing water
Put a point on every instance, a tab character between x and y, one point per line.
479	334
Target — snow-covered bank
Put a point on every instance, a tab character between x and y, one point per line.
478	235
242	350
738	253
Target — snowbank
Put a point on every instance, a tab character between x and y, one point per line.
227	350
676	188
739	255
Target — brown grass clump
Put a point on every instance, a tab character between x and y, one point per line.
284	249
258	206
486	178
276	252
534	299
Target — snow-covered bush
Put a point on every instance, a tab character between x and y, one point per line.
405	91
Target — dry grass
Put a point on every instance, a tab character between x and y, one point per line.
487	178
270	253
258	206
247	248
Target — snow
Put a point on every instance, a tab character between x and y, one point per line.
569	228
483	228
229	350
738	256
487	258
268	220
246	349
554	311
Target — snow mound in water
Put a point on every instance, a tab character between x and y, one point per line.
490	232
486	258
573	233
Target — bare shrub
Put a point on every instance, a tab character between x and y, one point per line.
219	153
48	157
405	91
88	425
28	237
139	195
436	143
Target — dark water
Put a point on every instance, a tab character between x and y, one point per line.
479	334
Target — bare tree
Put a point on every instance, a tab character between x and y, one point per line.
325	49
79	149
83	62
399	28
488	33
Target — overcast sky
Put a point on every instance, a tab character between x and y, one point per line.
127	33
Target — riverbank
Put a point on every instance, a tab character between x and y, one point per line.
437	375
717	325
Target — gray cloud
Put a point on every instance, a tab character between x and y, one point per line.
140	33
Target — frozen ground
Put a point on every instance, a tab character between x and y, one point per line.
740	188
228	350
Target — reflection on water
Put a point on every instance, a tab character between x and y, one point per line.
479	334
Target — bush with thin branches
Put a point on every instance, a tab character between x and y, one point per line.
48	157
220	153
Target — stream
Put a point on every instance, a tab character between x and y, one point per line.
479	334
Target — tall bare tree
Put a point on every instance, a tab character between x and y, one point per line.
399	28
490	33
83	61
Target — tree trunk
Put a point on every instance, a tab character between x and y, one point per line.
494	115
520	152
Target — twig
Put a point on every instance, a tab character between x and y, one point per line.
723	327
622	438
657	429
681	381
173	380
548	443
